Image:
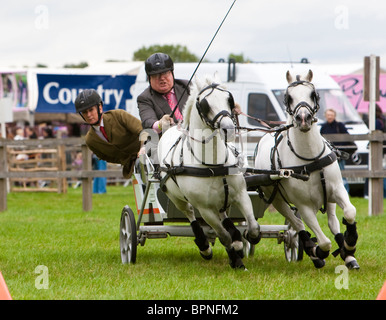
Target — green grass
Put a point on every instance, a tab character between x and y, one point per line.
81	251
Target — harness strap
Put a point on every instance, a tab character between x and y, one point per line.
316	165
274	151
198	172
171	172
303	170
226	192
323	180
273	194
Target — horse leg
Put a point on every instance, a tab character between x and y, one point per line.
288	213
333	222
350	238
319	252
244	204
347	241
235	234
200	239
225	238
304	236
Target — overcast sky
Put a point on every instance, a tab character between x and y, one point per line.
60	32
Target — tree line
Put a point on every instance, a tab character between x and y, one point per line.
179	53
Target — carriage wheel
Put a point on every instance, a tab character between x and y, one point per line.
128	236
293	248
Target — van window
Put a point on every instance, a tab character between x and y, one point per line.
259	106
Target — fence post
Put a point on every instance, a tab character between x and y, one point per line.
86	182
3	181
62	182
371	94
376	164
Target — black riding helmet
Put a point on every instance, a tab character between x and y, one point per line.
87	99
158	63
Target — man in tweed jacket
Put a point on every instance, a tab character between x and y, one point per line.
114	135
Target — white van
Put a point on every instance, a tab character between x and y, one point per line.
259	89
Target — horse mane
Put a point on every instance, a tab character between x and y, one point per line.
195	88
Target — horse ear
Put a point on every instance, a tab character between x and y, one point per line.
198	82
289	77
309	75
216	77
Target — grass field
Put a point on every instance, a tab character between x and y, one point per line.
47	240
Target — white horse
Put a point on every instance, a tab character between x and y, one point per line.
303	149
199	169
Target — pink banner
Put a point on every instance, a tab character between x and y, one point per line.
352	86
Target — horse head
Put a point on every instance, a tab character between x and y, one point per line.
301	100
213	104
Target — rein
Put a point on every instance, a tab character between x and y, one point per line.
203	141
265	123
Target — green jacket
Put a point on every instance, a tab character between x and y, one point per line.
123	132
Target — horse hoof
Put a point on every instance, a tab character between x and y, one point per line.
238	265
352	265
207	254
318	263
242	267
235	260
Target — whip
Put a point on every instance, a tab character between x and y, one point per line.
203	56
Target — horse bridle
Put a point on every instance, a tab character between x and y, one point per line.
314	95
203	107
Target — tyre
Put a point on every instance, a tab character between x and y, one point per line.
128	236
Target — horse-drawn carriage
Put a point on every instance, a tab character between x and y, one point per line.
158	217
201	180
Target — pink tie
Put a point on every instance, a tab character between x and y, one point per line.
104	132
172	101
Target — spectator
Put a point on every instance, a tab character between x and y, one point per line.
19	134
47	133
380	119
332	126
30	133
380	124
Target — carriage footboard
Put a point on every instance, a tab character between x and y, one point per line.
162	231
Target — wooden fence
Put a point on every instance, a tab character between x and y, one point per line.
57	172
376	173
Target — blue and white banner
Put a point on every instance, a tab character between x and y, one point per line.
57	92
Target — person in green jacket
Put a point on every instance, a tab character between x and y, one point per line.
114	136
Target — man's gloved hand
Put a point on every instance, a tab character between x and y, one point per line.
166	121
237	109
